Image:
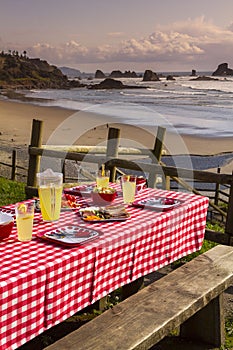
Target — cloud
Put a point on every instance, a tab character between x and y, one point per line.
194	41
68	51
230	27
116	34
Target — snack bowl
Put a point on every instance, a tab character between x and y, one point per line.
6	225
103	195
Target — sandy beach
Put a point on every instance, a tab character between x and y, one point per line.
64	126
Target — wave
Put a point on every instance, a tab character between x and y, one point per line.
190	110
178	92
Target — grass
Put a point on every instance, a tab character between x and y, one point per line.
13	191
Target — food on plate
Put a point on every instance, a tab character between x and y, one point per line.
105	190
168	201
104	213
69	201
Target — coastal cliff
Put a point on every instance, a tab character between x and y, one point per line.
19	71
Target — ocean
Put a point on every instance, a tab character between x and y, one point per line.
184	105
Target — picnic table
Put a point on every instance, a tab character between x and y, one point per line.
43	283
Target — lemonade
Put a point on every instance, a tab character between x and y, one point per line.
24	220
50	202
102	177
102	181
24	227
128	188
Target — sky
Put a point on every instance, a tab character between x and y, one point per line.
135	35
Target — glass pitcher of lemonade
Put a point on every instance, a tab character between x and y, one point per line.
50	194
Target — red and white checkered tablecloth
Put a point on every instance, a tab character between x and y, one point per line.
43	283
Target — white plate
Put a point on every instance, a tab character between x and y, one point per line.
158	203
80	190
70	235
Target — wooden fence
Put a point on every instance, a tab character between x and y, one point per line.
114	156
14	167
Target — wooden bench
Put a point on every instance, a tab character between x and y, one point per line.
190	297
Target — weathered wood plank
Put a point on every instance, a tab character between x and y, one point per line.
218	237
145	318
100	149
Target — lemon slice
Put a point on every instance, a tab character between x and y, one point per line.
22	208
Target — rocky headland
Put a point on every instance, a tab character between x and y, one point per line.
19	71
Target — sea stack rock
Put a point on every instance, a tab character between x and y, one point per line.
119	74
99	74
108	83
194	73
170	77
223	70
150	76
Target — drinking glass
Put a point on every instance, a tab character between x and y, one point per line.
50	194
102	178
24	220
128	184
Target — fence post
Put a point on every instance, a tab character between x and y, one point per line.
64	170
157	152
217	187
13	170
112	149
167	183
229	219
33	165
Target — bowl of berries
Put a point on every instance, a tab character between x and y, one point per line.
103	195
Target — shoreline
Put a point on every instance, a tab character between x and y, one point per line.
67	127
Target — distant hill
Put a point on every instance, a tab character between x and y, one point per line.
19	71
71	72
